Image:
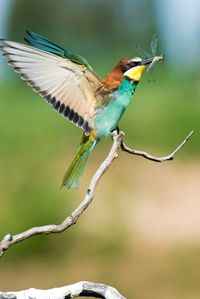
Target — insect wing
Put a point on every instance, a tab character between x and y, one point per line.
153	45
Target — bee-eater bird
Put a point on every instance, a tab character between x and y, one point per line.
69	84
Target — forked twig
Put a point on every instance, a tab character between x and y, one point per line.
118	142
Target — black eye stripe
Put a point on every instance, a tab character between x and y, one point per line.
126	68
131	64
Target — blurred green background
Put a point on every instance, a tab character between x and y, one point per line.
142	232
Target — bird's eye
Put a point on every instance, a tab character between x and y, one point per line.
131	64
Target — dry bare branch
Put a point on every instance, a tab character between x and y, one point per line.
82	288
9	240
129	150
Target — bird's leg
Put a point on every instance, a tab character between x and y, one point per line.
116	129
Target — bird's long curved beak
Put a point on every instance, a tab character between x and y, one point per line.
149	60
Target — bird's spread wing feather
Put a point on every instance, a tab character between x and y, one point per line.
67	85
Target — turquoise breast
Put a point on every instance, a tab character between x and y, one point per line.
109	115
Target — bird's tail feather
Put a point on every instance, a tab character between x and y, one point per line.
75	171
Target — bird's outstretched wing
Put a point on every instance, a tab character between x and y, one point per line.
66	81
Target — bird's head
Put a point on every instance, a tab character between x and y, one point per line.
133	67
130	68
